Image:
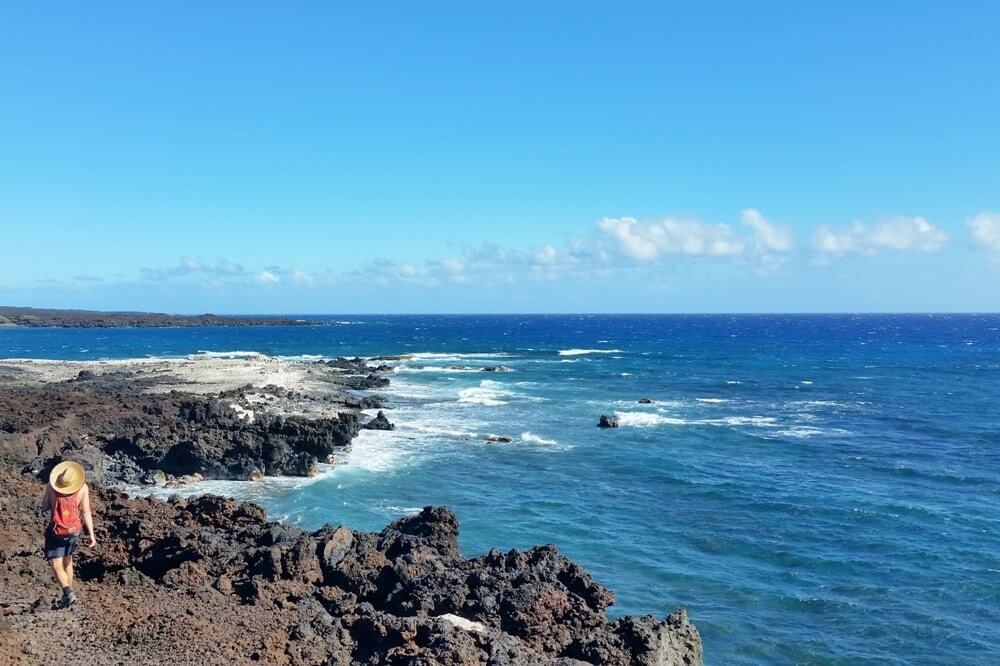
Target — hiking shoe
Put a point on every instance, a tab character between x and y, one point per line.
69	598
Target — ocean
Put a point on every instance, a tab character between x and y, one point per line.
814	489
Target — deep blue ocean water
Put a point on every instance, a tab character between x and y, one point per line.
814	489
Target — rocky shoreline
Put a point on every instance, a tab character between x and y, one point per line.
165	573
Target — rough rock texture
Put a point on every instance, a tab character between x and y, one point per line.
607	422
212	581
124	437
165	575
380	422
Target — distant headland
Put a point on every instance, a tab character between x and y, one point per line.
47	318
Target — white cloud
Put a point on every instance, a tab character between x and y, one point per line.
619	245
985	231
547	255
768	237
648	241
898	233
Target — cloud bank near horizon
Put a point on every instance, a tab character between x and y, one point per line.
618	245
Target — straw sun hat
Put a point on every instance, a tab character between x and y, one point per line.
67	477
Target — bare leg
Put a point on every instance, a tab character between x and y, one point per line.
59	569
68	566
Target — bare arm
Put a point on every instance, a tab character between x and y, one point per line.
88	519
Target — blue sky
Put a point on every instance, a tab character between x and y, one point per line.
505	157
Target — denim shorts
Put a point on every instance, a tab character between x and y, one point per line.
57	546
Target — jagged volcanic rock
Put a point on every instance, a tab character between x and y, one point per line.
380	422
123	437
165	574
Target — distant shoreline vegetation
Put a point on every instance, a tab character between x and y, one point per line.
49	318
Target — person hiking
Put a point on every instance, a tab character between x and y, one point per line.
67	499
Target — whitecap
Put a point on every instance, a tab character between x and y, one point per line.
580	352
434	368
713	401
228	354
646	419
455	355
759	421
802	432
488	393
532	438
406	510
651	419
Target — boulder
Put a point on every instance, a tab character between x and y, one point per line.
499	439
380	422
607	422
645	401
334	547
496	368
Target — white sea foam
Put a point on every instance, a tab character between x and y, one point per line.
376	451
759	421
488	393
306	358
646	419
412	390
406	510
651	419
252	491
803	432
532	438
713	401
434	368
229	354
455	355
580	352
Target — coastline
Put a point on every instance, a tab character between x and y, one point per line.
344	596
16	317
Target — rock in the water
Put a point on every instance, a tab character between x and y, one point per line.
607	422
380	422
499	439
496	368
645	401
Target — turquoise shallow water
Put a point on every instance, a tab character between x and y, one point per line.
814	489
